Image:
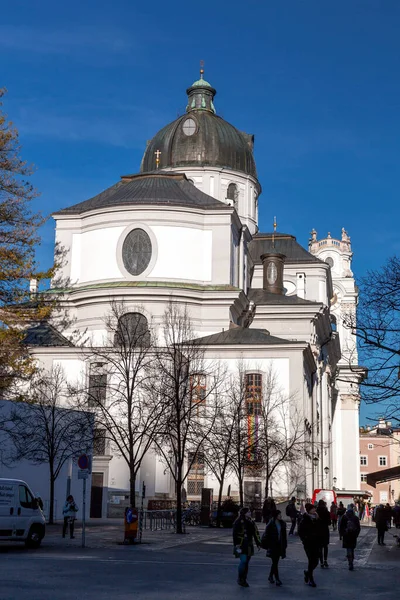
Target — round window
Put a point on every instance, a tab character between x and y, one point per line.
189	127
136	251
329	261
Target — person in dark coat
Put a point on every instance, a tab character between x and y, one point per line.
340	512
292	512
396	515
350	530
324	522
309	533
381	523
245	535
268	506
276	544
334	516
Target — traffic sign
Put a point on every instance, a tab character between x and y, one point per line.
83	475
83	462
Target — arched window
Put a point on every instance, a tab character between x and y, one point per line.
132	331
233	194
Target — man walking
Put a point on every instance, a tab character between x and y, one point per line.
310	536
381	523
69	512
292	512
350	530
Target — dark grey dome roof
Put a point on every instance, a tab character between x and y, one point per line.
215	142
163	189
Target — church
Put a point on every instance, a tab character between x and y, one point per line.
185	230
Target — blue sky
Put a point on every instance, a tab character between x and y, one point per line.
315	81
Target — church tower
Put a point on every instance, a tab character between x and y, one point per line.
337	254
215	156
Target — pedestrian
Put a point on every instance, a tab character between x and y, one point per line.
324	523
388	513
268	506
310	536
340	512
292	512
350	530
334	516
276	544
381	524
245	535
69	512
396	515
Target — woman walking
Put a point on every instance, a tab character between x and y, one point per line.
381	524
334	516
324	522
245	535
309	533
340	512
350	530
276	544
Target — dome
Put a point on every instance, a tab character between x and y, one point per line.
200	138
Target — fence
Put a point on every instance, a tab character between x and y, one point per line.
157	520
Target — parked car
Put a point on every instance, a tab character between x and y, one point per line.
21	519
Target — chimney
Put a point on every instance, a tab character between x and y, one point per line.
273	263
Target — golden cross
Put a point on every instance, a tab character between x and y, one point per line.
158	154
275	224
201	68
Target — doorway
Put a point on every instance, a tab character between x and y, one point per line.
96	496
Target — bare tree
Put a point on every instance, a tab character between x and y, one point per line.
218	446
281	433
45	430
377	328
117	389
185	384
240	445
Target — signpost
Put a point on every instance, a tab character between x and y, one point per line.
83	473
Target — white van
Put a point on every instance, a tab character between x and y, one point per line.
21	519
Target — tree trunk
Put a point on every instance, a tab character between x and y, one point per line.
51	507
219	512
132	488
179	528
241	494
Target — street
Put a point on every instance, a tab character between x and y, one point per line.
200	566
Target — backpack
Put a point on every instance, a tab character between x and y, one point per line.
351	526
287	511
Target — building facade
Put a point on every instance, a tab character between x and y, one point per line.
380	450
185	230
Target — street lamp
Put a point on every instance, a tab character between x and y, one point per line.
334	481
326	471
315	461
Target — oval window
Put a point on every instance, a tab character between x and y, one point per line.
189	127
136	251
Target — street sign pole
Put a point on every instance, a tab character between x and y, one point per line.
84	512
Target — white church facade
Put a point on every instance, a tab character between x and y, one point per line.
185	230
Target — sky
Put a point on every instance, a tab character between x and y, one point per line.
316	82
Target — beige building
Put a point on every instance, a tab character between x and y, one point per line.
380	450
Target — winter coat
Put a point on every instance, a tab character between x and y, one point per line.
268	507
381	518
70	509
396	515
245	534
341	511
276	542
333	512
291	510
309	532
323	523
349	532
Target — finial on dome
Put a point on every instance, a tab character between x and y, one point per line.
275	224
201	69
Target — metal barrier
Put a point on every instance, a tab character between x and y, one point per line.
157	520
